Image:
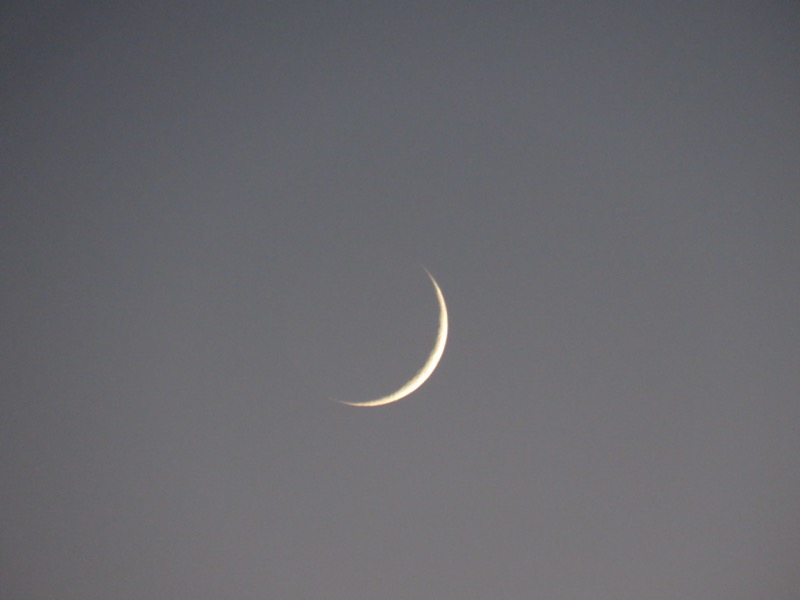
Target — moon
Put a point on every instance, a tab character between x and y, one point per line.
428	368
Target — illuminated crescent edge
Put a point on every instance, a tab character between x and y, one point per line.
430	365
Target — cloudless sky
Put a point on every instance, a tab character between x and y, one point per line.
215	219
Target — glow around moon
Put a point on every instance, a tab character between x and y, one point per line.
427	369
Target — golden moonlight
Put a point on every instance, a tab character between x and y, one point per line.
428	368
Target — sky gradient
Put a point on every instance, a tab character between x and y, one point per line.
216	219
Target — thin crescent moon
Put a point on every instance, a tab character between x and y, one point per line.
428	368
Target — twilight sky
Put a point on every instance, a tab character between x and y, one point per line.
214	219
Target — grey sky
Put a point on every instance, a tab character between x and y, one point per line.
215	219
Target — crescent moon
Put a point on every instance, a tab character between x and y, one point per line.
428	368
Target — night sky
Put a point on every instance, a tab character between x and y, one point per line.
215	220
